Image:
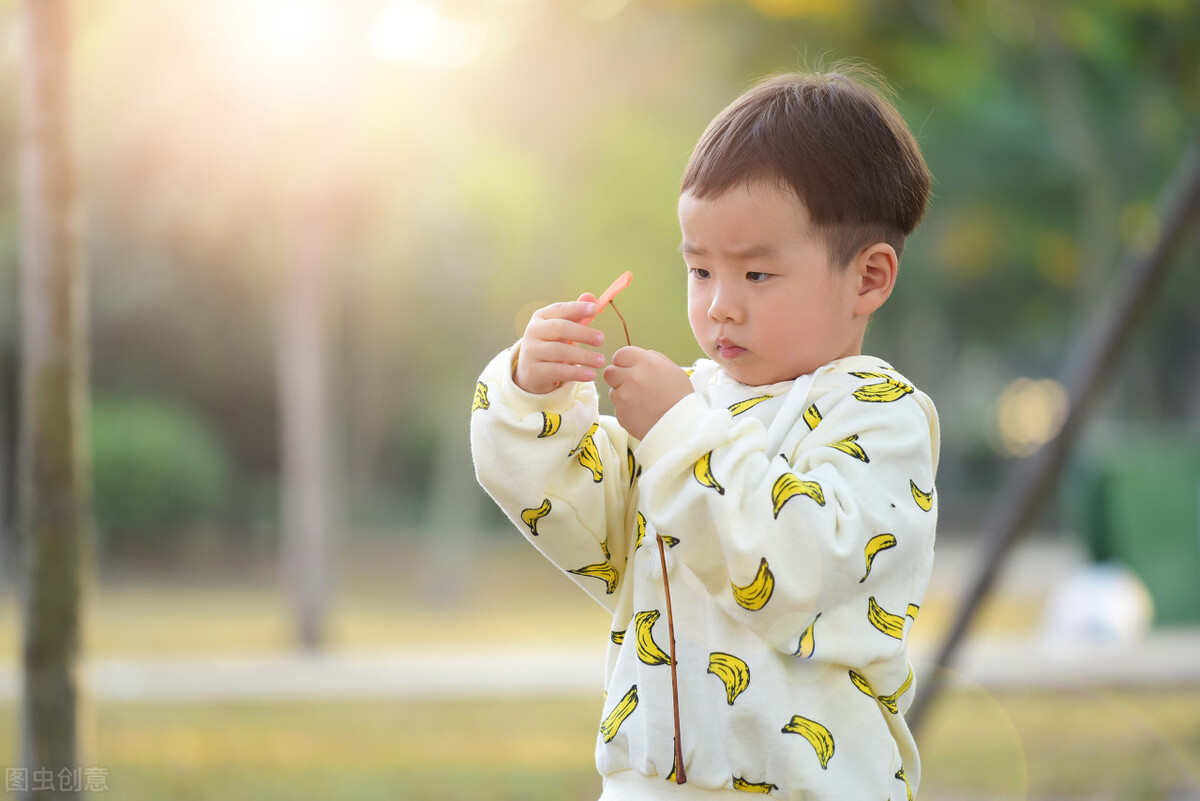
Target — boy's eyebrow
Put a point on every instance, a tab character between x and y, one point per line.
739	254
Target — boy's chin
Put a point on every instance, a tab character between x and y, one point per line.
746	370
746	374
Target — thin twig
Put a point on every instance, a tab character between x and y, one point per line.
680	773
623	324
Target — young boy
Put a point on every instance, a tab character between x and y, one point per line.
787	479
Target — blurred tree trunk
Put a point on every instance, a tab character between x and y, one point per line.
319	204
304	434
54	492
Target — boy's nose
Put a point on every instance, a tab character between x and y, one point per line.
724	306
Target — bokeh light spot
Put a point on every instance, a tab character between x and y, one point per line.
1028	414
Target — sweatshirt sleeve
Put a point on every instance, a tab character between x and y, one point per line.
559	470
819	549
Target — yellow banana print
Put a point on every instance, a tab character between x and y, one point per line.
481	398
733	672
669	541
788	486
850	446
860	681
703	473
589	455
817	735
747	404
635	469
880	542
673	776
912	611
532	516
886	391
890	624
613	720
550	424
641	531
603	571
812	416
808	642
754	596
904	778
647	649
892	702
618	637
923	499
753	787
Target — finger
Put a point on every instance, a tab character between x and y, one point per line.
568	310
542	377
567	322
563	353
613	376
555	373
612	396
597	307
557	329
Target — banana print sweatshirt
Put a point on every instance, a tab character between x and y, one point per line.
797	529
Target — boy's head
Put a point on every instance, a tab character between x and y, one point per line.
831	140
794	210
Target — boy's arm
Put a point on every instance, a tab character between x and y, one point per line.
558	470
820	549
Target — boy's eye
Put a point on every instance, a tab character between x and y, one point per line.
698	272
755	278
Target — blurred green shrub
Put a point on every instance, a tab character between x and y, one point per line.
159	474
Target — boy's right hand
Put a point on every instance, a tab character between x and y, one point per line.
551	350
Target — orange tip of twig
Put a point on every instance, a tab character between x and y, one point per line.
613	290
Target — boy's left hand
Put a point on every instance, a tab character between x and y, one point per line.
643	385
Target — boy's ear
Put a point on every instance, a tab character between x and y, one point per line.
875	267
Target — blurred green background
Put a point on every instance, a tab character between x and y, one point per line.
469	166
460	163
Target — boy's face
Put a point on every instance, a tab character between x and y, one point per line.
763	299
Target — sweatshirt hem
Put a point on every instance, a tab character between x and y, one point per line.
629	785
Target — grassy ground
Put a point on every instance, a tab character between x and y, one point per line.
1089	743
1013	745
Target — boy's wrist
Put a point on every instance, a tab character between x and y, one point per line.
677	425
523	402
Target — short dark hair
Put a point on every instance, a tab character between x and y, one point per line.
835	141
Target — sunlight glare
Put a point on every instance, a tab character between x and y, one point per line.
415	32
292	34
603	9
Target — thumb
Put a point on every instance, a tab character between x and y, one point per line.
628	356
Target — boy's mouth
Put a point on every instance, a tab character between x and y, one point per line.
727	349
